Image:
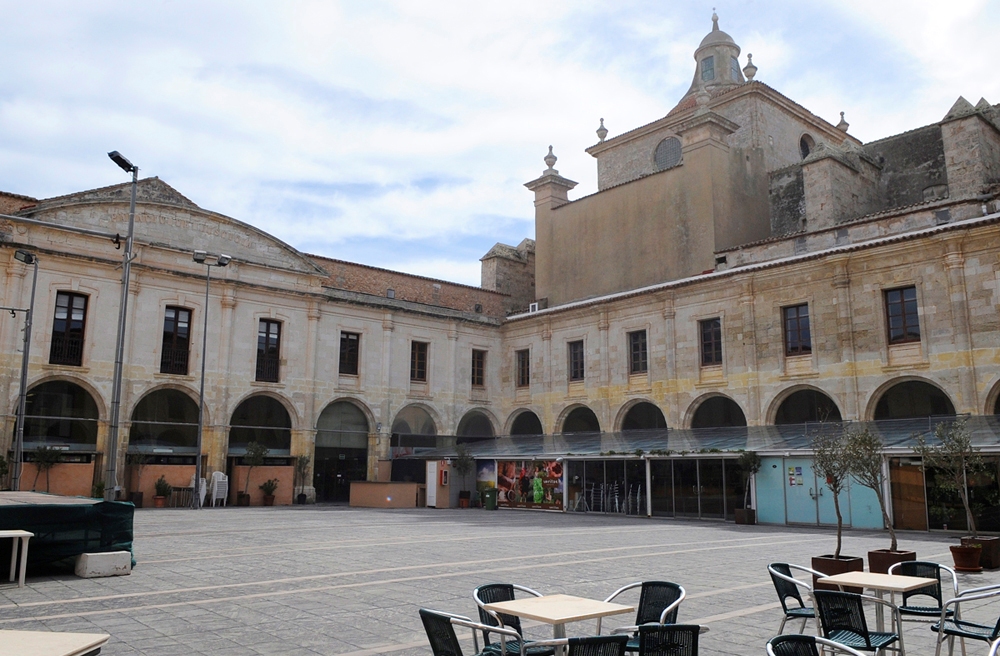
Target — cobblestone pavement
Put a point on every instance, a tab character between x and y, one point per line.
338	580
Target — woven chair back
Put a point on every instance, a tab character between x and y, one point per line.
842	611
440	633
492	593
612	645
926	570
669	640
785	589
794	645
654	597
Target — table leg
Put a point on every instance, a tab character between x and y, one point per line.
559	631
13	558
879	621
24	560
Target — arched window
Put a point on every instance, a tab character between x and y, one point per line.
913	399
474	424
165	418
581	420
526	423
342	425
643	416
60	413
260	419
807	405
717	412
414	420
667	154
806	145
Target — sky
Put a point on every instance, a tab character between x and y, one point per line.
400	134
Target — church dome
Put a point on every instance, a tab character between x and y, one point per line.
716	36
717	67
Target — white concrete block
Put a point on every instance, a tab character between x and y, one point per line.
96	565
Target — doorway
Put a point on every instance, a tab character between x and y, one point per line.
334	470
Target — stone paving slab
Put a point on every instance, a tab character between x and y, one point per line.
337	580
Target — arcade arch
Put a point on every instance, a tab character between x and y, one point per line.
806	405
643	415
341	450
474	424
164	418
526	423
263	419
910	399
718	412
60	412
581	420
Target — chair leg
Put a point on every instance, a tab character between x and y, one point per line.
962	641
805	620
951	645
781	629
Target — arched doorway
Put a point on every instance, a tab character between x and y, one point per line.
474	426
412	429
718	412
807	405
60	413
341	450
643	416
164	421
581	420
527	423
262	419
913	399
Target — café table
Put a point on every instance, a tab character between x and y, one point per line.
559	610
880	583
51	643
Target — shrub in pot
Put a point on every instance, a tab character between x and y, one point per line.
256	452
749	463
955	459
831	462
463	463
163	489
138	462
301	472
45	459
867	459
268	487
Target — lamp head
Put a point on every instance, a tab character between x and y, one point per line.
222	260
24	256
199	256
120	160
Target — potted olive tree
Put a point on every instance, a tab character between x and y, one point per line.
268	487
955	459
138	462
45	459
256	452
301	471
463	464
163	490
749	464
867	462
831	462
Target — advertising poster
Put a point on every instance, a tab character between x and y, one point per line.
536	484
486	475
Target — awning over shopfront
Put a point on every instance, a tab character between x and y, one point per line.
897	435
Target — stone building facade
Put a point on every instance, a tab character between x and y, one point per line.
743	263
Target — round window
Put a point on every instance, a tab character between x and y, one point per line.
668	153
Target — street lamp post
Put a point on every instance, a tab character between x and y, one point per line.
221	260
32	259
111	478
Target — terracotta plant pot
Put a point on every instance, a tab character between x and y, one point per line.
966	558
268	499
463	503
829	565
989	548
136	499
746	516
159	502
880	560
242	499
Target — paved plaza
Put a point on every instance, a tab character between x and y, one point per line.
337	580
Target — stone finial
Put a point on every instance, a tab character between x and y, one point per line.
602	131
962	107
983	104
843	125
715	21
550	161
749	70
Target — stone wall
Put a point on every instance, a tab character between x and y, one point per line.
913	166
511	270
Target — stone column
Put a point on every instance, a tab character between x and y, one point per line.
670	376
845	337
750	354
548	416
954	262
308	445
218	389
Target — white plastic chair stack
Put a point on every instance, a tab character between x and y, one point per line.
202	489
220	487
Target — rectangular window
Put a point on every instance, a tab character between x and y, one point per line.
418	362
349	353
478	368
576	370
711	342
798	340
268	350
176	341
708	68
901	315
637	352
523	362
68	328
734	68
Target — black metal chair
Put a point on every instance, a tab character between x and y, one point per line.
842	616
610	645
440	628
492	593
787	587
955	627
668	639
805	645
919	612
658	602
